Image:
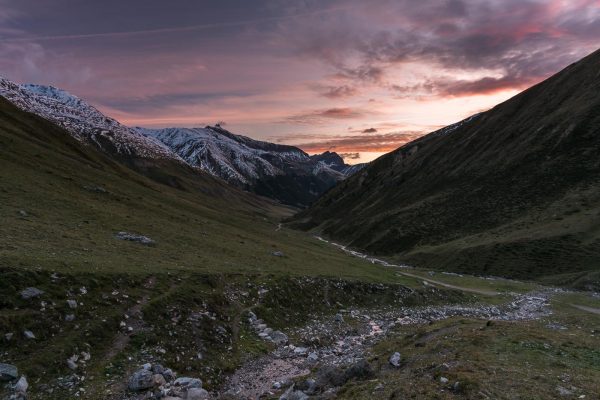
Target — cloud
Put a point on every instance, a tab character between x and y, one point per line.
321	116
353	143
522	41
338	92
369	130
350	156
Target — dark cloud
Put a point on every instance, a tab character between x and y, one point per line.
354	143
369	130
350	156
524	41
338	92
319	116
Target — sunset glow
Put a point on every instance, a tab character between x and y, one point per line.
359	78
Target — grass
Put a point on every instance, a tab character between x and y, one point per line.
504	360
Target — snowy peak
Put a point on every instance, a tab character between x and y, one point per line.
270	169
82	120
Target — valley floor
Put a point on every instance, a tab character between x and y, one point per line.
257	336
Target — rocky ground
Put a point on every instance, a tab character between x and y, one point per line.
336	347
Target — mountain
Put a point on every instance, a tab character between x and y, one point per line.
282	172
83	121
513	191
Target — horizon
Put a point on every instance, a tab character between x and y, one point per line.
359	80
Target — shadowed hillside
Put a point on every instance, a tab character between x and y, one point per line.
512	191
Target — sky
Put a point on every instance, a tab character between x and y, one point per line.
357	77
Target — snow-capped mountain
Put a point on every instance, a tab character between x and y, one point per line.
82	120
283	172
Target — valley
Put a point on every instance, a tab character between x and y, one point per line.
195	263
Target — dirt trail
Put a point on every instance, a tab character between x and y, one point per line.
586	308
449	286
374	260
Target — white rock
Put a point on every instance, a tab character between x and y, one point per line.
28	335
21	385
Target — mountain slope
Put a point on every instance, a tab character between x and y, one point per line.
511	191
62	204
83	121
282	172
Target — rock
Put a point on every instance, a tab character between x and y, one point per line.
8	336
395	359
21	385
277	253
443	380
28	335
359	370
287	393
72	303
252	317
339	318
168	374
72	363
158	369
30	293
300	351
279	338
141	380
147	366
196	394
70	317
379	387
8	372
159	380
297	395
313	357
23	213
132	237
308	386
330	376
277	385
188	382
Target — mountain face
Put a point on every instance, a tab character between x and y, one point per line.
83	121
512	191
285	173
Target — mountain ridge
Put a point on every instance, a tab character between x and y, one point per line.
282	172
505	192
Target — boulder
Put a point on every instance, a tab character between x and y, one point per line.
21	385
30	293
395	359
141	380
188	382
359	370
28	335
132	237
70	317
168	374
157	369
72	303
159	380
339	318
279	338
196	394
313	357
277	253
8	372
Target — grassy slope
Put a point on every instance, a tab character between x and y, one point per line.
204	227
514	192
213	242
